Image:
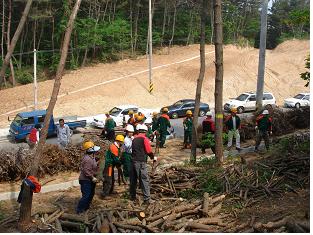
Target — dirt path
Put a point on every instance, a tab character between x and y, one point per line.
171	83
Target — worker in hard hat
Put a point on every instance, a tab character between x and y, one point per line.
131	120
187	123
127	150
264	128
163	124
109	127
111	160
149	133
232	124
87	179
154	121
208	127
141	149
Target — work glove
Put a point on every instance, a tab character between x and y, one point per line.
155	158
270	133
94	179
256	128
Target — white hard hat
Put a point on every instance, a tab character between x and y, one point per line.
130	128
209	113
148	120
93	149
142	127
265	112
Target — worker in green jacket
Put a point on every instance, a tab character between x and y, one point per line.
109	127
187	129
163	124
154	121
111	160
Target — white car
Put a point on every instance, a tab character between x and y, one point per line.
247	102
300	100
118	113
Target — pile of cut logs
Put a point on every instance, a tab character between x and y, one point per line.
167	215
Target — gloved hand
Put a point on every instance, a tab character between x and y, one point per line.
256	127
151	155
271	133
155	158
94	179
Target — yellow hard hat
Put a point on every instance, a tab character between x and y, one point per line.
130	112
140	117
119	138
88	144
135	115
154	114
189	112
233	110
165	110
106	113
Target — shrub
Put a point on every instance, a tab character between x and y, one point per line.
24	76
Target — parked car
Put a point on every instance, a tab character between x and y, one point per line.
300	100
247	102
24	122
179	108
119	113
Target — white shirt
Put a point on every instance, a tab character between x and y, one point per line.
128	144
64	133
234	123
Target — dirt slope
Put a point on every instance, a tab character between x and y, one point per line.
171	83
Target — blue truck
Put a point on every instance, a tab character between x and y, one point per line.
23	123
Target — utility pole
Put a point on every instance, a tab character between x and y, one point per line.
35	79
150	48
262	50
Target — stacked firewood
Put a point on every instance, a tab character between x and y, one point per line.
160	216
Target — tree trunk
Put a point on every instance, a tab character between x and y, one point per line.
9	40
52	36
212	21
136	24
164	22
57	83
173	27
3	30
14	40
199	83
131	25
218	94
190	27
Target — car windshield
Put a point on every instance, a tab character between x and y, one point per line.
115	111
17	120
299	96
178	103
242	97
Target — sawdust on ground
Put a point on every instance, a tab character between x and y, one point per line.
171	83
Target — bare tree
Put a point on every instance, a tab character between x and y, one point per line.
218	41
26	205
14	40
199	82
9	41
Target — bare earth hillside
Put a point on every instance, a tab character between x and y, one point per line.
171	82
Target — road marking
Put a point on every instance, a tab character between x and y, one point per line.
106	82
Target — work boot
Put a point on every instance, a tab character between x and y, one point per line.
148	202
239	149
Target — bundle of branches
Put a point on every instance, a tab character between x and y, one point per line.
285	121
274	174
14	166
159	216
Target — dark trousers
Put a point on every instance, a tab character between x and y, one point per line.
108	180
162	139
111	135
138	170
87	187
187	137
262	135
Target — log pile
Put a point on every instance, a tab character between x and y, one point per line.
282	224
269	176
159	216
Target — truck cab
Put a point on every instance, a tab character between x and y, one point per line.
25	121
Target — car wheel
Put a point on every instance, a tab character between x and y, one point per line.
201	113
297	105
240	109
175	115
